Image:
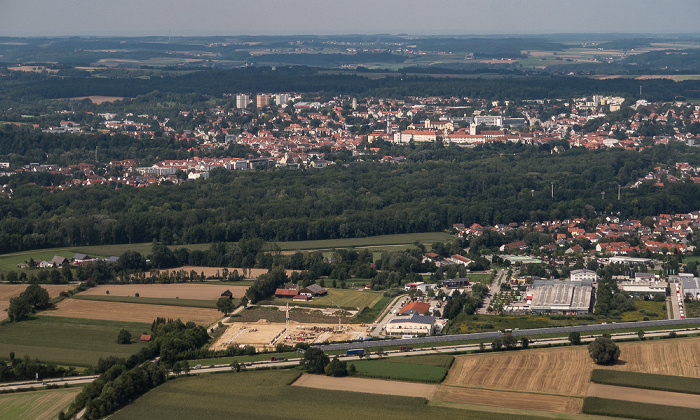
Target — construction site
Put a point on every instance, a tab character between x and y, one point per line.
265	334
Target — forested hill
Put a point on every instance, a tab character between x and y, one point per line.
19	86
434	189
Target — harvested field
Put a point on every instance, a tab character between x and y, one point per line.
371	386
8	291
171	291
131	312
519	400
263	333
213	272
644	395
97	99
36	405
566	371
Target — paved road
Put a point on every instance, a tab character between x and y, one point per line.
494	287
386	315
491	335
674	302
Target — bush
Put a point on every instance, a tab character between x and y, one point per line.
575	338
124	337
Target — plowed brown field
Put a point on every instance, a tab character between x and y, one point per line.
179	290
372	386
132	312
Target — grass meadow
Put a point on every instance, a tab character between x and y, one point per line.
345	298
266	395
429	369
68	341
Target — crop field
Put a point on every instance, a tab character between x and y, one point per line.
649	396
131	312
68	341
195	303
508	399
36	405
196	291
368	242
345	298
566	371
266	395
646	381
395	370
8	291
617	408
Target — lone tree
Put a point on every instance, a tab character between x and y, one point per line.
604	351
575	338
225	305
510	342
19	308
124	337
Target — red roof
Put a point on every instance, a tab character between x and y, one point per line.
416	307
286	293
145	337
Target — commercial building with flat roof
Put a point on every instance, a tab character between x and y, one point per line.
553	296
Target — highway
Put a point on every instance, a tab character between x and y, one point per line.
492	335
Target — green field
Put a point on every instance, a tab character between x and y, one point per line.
370	314
484	278
345	298
692	309
629	409
647	305
266	395
375	243
36	405
646	381
195	303
68	341
430	369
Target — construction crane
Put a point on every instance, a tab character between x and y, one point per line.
340	311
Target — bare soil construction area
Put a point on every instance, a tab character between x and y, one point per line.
644	395
372	386
8	291
263	334
172	291
132	312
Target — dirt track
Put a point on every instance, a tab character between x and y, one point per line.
644	395
372	386
131	312
178	290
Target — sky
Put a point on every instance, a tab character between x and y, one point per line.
331	17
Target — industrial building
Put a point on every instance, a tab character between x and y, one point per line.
420	325
553	296
584	275
691	287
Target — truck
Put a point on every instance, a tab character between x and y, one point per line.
355	352
277	359
405	348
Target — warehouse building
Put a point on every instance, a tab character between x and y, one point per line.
420	325
553	296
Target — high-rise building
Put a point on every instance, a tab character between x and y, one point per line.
281	98
242	101
262	100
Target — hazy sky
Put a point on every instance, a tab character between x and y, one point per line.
236	17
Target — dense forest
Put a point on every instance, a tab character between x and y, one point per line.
437	187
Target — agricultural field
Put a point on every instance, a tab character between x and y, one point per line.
195	291
8	291
649	396
398	370
646	381
566	371
36	405
195	303
131	312
617	408
249	395
68	341
368	242
302	315
345	298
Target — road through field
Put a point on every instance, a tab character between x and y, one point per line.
647	396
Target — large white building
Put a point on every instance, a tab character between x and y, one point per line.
583	275
420	325
416	135
242	101
561	297
281	98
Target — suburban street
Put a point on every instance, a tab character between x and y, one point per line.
493	288
385	316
